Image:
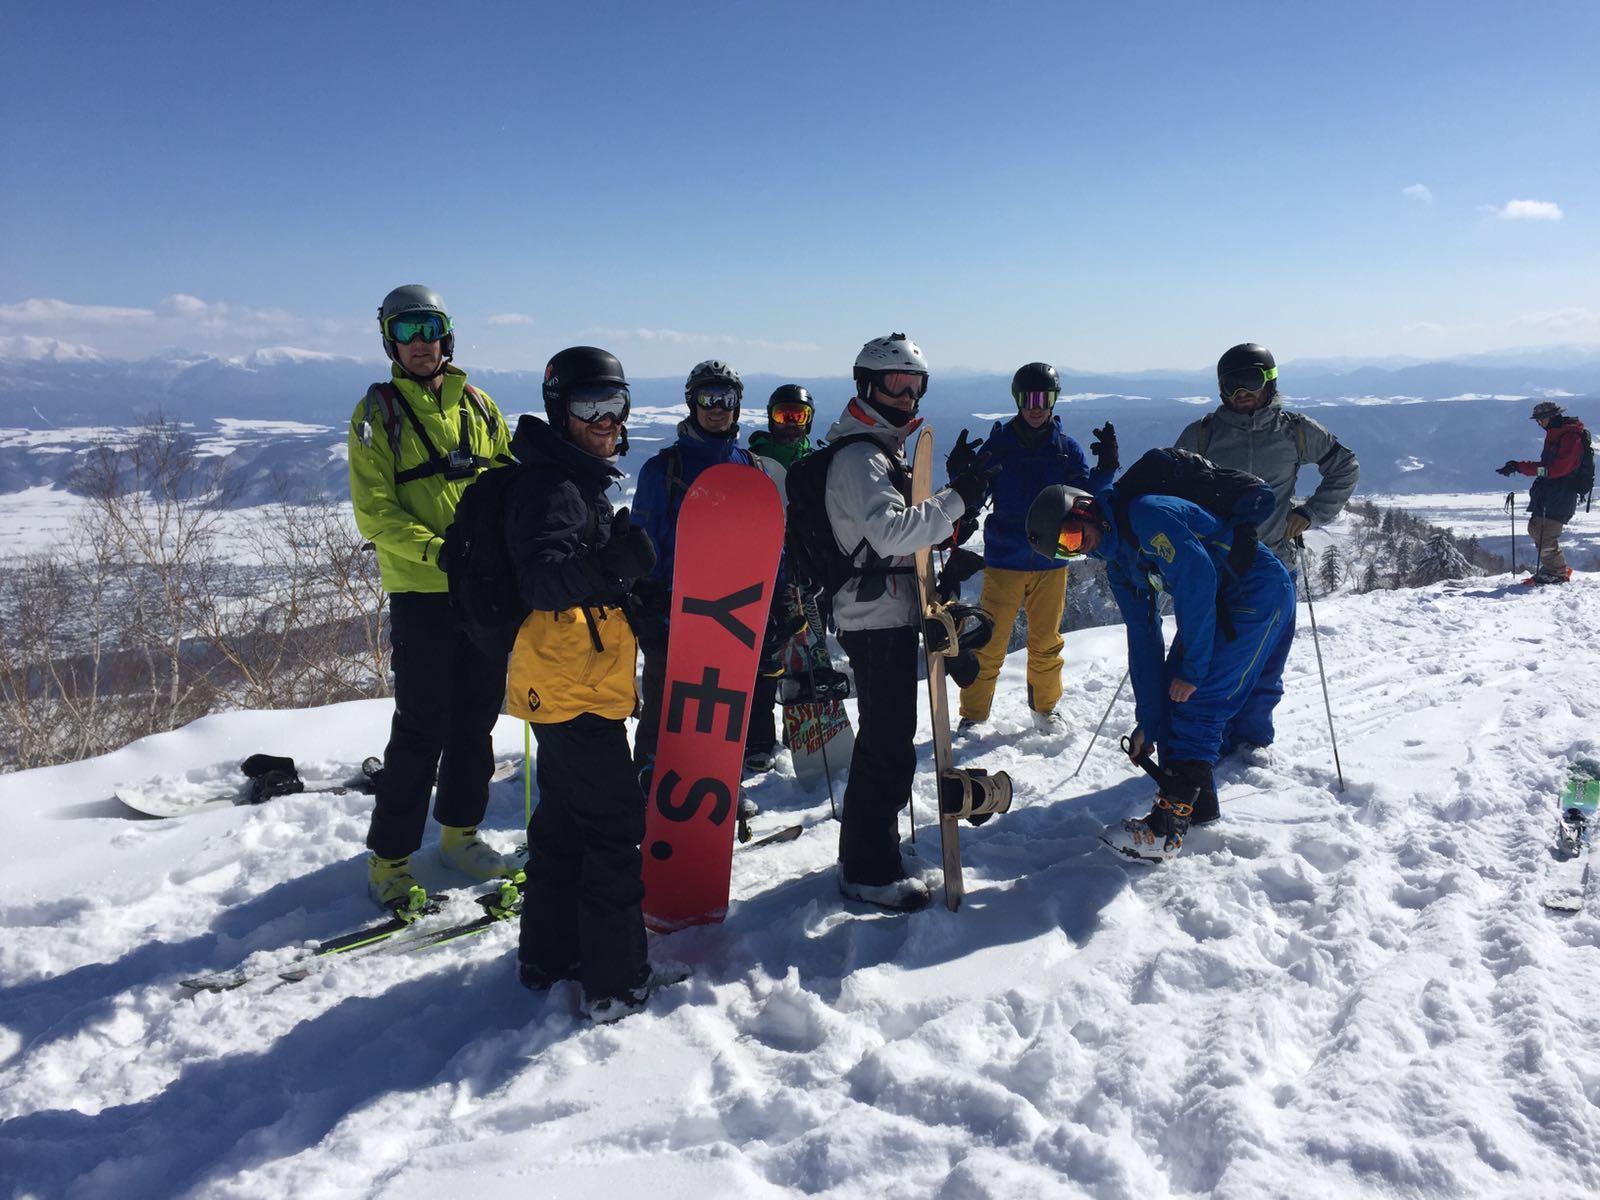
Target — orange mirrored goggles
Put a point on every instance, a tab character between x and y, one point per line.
794	415
1069	542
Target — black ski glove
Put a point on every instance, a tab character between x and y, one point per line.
1104	447
963	457
961	566
438	557
629	554
1509	469
973	485
1243	555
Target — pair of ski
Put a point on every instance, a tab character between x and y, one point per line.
402	932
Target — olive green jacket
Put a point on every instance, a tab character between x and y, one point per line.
406	522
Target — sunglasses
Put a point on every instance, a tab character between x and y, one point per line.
408	327
598	402
1069	542
1035	400
791	415
901	385
1246	379
718	396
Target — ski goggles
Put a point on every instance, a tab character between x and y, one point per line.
717	395
408	327
790	416
901	385
1069	542
1246	379
1035	400
596	402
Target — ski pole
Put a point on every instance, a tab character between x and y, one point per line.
1161	612
527	773
1103	719
1317	643
1511	511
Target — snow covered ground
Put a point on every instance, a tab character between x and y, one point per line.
1330	994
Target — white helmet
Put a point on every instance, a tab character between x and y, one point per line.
896	352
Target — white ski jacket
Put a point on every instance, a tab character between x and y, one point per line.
864	505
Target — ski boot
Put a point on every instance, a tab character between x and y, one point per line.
652	978
906	894
1157	837
393	887
462	849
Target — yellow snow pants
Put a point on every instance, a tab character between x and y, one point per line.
1043	596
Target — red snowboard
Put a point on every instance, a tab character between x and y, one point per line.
730	534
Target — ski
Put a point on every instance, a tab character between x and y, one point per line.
399	933
1567	868
787	834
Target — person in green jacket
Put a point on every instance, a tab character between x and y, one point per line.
415	443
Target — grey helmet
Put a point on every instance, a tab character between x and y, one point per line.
415	298
713	370
896	352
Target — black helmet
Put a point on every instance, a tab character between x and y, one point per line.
1247	367
572	366
713	370
789	393
1035	377
1051	508
415	298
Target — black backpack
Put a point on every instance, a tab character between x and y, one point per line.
816	564
1181	473
1583	477
483	585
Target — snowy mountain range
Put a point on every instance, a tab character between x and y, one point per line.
1429	427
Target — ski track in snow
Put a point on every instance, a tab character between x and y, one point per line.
1330	993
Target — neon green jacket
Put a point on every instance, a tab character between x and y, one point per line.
406	522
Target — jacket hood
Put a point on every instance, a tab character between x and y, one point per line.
535	443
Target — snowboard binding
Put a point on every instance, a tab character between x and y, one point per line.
972	794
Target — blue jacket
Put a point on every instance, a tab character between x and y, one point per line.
1024	473
1182	550
657	499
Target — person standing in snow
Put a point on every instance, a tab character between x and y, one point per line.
707	437
1031	451
878	611
1253	432
415	444
784	442
1233	601
1553	498
572	679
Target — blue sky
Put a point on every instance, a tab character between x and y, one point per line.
1114	186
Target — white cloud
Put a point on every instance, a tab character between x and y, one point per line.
1419	192
61	312
1562	322
179	321
675	337
1529	210
510	319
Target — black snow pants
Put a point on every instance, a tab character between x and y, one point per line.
447	697
581	917
885	759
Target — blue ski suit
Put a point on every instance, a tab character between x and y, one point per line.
1182	549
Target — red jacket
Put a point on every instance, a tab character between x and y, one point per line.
1555	489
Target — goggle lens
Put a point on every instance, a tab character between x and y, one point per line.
718	395
898	385
793	415
1036	400
1069	542
408	327
598	402
1246	379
